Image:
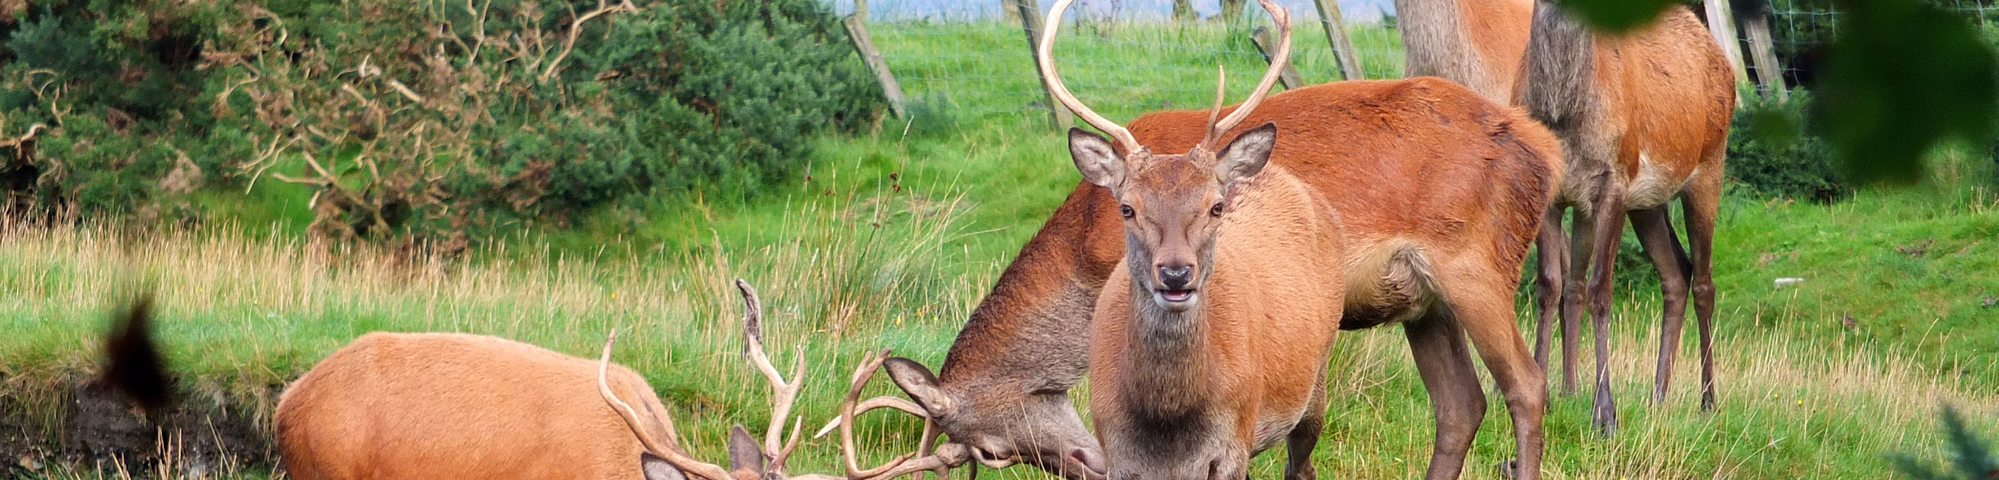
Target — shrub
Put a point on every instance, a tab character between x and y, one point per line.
1771	152
425	119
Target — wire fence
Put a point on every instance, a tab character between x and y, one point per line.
971	58
974	61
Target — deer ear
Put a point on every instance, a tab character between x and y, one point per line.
1099	163
1245	156
744	453
916	380
656	468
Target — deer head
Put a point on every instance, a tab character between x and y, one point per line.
1172	204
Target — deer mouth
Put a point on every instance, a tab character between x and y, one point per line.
1175	300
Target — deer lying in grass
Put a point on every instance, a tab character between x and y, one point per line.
426	406
1644	118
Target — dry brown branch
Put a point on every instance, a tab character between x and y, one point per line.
576	28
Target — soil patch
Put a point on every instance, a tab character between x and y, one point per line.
101	430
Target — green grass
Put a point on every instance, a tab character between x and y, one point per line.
892	236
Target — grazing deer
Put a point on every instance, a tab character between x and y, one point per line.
428	406
1213	345
1476	43
1644	118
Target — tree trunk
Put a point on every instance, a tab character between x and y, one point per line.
1231	10
1183	10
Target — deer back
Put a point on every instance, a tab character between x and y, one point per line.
443	405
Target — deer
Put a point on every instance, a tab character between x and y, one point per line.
1440	192
447	405
1643	117
1419	169
1212	344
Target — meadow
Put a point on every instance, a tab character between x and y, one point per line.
892	237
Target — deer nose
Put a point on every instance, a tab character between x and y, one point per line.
1176	277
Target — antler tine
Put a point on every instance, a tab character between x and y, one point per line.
862	374
1277	62
783	394
1044	57
1221	99
950	455
875	403
777	461
707	471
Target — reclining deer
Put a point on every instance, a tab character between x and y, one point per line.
1440	192
426	405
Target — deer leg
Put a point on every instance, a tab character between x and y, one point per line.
1456	398
1305	436
1482	303
1701	204
1581	234
1553	260
1655	232
1609	232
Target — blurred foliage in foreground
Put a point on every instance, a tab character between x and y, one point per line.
1971	458
415	120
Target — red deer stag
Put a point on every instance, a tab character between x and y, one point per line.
425	406
1213	345
1644	118
1419	169
1439	192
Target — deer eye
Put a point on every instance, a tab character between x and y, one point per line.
1216	211
1126	211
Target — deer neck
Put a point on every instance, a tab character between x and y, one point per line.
1560	68
1030	333
1436	41
1169	352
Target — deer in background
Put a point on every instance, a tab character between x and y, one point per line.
1476	43
439	405
1644	118
1213	346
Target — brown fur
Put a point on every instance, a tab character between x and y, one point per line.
1476	43
440	405
1248	366
1644	118
1419	162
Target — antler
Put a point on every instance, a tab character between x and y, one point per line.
1044	56
1277	62
783	394
673	455
950	455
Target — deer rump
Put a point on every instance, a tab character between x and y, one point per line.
473	407
1407	164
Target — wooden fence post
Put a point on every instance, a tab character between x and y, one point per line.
1289	76
1721	23
1765	56
1336	32
1030	21
858	31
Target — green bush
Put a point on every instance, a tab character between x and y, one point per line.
421	119
1771	152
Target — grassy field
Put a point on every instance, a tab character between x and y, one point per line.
894	235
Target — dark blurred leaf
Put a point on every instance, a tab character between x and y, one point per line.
1901	77
1617	15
